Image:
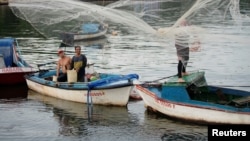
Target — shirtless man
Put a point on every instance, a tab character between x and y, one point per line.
64	65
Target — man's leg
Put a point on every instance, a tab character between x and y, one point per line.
184	72
180	68
81	75
62	77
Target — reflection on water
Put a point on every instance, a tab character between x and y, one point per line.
13	91
112	123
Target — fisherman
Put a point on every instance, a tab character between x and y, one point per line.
182	39
78	63
182	47
63	65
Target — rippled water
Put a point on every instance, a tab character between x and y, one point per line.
44	118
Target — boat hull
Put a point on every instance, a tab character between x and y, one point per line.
134	95
191	112
14	75
115	96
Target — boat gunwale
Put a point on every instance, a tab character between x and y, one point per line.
76	89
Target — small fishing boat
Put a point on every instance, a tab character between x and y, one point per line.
105	89
91	31
12	65
87	34
196	101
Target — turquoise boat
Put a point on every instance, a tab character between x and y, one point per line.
196	101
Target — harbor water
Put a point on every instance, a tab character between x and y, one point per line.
44	118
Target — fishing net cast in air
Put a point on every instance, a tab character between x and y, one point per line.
52	17
200	15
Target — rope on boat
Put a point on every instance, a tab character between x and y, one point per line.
231	86
166	77
159	79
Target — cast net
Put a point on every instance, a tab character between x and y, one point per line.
196	23
194	18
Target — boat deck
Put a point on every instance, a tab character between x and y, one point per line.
196	78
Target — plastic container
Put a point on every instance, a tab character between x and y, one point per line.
72	76
54	78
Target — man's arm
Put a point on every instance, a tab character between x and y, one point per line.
84	61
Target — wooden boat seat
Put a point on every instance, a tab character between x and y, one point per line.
242	100
197	78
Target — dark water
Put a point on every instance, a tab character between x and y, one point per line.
44	118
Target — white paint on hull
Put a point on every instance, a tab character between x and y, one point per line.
192	113
116	96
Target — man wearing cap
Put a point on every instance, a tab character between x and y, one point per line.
63	65
78	63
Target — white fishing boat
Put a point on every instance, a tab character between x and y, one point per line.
108	89
197	102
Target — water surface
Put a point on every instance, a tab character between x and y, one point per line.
44	118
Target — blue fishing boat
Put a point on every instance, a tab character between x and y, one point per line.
105	89
196	101
12	65
88	32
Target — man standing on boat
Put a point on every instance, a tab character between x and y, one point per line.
78	63
64	65
182	47
182	39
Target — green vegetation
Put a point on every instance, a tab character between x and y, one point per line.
11	26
